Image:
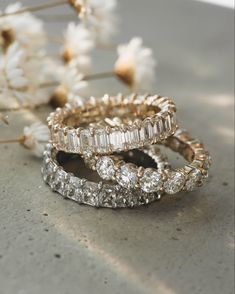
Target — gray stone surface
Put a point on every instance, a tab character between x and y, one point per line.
183	244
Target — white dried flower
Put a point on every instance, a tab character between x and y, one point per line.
24	28
98	16
78	46
20	76
36	136
72	86
135	65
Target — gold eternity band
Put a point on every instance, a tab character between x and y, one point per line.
112	123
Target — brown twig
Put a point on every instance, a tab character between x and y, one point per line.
101	75
36	8
17	140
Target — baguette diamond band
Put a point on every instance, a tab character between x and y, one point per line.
145	120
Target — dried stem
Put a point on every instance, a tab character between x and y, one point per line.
57	17
4	109
101	75
36	8
30	107
17	140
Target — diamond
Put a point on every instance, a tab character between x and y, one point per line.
132	137
48	170
207	162
194	178
86	140
127	176
59	181
73	141
90	194
74	189
116	140
151	181
174	183
61	139
167	125
107	196
158	127
101	141
146	132
105	168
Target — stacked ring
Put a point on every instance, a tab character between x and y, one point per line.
145	120
89	192
102	128
151	180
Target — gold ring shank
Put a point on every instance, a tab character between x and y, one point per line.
112	123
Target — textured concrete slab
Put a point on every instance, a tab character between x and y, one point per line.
181	245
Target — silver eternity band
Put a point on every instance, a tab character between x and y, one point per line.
95	127
87	192
165	180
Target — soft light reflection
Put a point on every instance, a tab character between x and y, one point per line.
225	3
226	133
116	264
202	69
231	242
222	100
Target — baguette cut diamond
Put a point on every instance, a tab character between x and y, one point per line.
73	141
158	127
167	124
116	140
148	130
132	137
86	141
101	141
61	138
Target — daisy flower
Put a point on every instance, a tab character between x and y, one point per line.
20	76
78	46
72	87
35	137
135	65
98	16
24	28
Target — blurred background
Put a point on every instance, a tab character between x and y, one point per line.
183	244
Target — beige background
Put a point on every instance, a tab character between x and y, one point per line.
181	245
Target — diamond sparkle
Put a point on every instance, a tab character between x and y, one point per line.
151	181
105	168
174	183
127	176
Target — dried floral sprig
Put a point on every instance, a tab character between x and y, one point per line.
135	65
26	29
34	138
21	74
99	17
72	87
78	45
34	8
